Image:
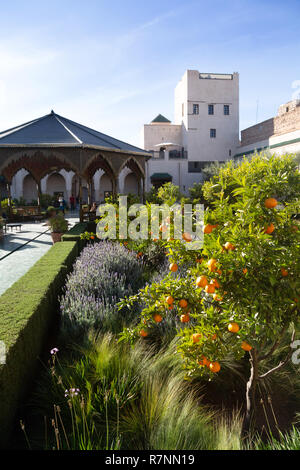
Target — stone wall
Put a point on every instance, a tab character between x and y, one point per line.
288	121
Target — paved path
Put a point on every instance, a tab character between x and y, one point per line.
21	250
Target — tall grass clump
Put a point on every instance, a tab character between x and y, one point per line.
117	397
104	273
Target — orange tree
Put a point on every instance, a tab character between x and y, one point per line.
241	293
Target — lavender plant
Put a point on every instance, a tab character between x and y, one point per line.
103	274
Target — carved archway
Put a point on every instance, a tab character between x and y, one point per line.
98	162
38	165
134	166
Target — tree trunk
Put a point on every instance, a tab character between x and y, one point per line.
250	416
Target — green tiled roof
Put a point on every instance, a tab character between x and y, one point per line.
160	118
161	176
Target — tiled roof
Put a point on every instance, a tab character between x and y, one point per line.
160	118
55	130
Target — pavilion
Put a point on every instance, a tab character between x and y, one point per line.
53	143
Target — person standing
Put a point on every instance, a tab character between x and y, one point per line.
61	204
72	202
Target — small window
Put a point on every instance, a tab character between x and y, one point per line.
195	108
210	109
226	109
229	153
213	133
287	109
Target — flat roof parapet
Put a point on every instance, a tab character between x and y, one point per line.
216	76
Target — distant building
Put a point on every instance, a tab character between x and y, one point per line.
205	129
280	134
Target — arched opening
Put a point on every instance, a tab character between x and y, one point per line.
30	193
106	187
131	184
56	185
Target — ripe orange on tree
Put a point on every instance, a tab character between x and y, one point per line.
208	228
199	260
270	229
143	333
215	283
185	318
233	327
183	303
229	246
246	346
212	264
201	281
202	361
196	337
245	270
284	272
210	289
157	318
270	203
169	300
187	237
173	267
214	367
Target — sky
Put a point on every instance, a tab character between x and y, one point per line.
113	65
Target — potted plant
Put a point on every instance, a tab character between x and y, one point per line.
51	211
58	225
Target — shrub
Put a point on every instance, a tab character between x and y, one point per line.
104	273
58	223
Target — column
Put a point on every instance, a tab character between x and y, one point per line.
80	200
39	191
96	180
89	193
8	186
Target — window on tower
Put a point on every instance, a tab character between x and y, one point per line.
195	108
213	133
226	109
210	109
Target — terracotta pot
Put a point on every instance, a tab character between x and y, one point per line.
56	237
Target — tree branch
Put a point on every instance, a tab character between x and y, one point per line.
282	363
277	342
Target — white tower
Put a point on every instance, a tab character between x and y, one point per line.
205	129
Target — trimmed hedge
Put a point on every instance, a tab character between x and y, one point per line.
73	235
27	310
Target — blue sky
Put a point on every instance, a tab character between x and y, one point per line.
114	65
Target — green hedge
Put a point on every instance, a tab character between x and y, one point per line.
74	233
27	310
